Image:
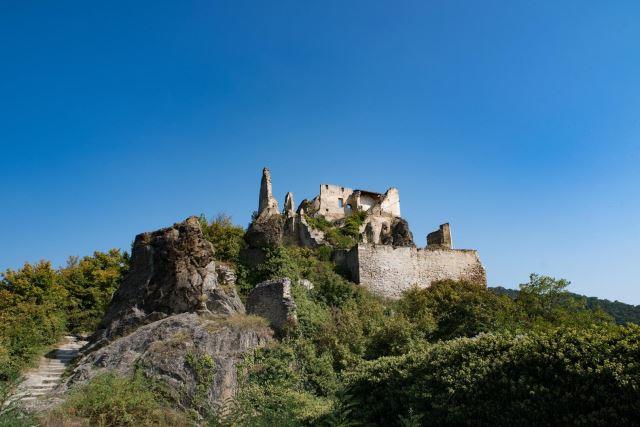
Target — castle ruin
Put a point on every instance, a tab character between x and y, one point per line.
385	259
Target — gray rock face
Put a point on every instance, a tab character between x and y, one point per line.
401	234
273	301
186	351
172	271
265	232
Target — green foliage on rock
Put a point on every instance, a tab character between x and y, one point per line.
339	236
227	238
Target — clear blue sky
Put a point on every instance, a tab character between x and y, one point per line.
516	121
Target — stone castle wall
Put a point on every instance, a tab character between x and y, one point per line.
388	271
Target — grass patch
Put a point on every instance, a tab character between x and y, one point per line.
111	400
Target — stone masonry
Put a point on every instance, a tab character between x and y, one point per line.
388	271
385	260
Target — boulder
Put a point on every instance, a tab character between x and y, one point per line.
273	301
265	232
172	271
196	356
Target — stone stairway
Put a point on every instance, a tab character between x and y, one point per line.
41	381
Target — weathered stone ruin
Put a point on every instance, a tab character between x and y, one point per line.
273	301
385	258
441	238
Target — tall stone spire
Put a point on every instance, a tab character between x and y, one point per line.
267	205
289	209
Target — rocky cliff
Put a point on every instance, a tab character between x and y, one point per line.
176	317
172	271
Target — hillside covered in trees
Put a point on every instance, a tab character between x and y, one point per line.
450	354
621	312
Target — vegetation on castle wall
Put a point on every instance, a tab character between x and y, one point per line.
343	237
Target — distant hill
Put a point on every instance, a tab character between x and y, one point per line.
621	312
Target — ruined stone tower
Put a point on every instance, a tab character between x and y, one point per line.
267	205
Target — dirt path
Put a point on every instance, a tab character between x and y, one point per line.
39	382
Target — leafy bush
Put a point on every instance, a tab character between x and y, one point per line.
340	237
544	302
11	412
110	400
567	376
459	309
38	304
275	390
227	238
91	282
31	315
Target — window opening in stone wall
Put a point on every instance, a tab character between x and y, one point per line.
340	203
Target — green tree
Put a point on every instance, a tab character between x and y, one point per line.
227	238
32	315
90	283
544	301
459	309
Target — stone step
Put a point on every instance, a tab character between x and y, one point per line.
42	381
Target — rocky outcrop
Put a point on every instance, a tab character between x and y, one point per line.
265	233
308	236
273	301
196	356
401	234
172	271
267	204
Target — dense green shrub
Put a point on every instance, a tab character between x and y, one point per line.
459	309
110	400
31	315
12	414
38	304
90	283
566	376
281	386
227	238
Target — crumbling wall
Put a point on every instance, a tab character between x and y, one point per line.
388	271
441	238
334	201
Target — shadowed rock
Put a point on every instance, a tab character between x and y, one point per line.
273	301
172	271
